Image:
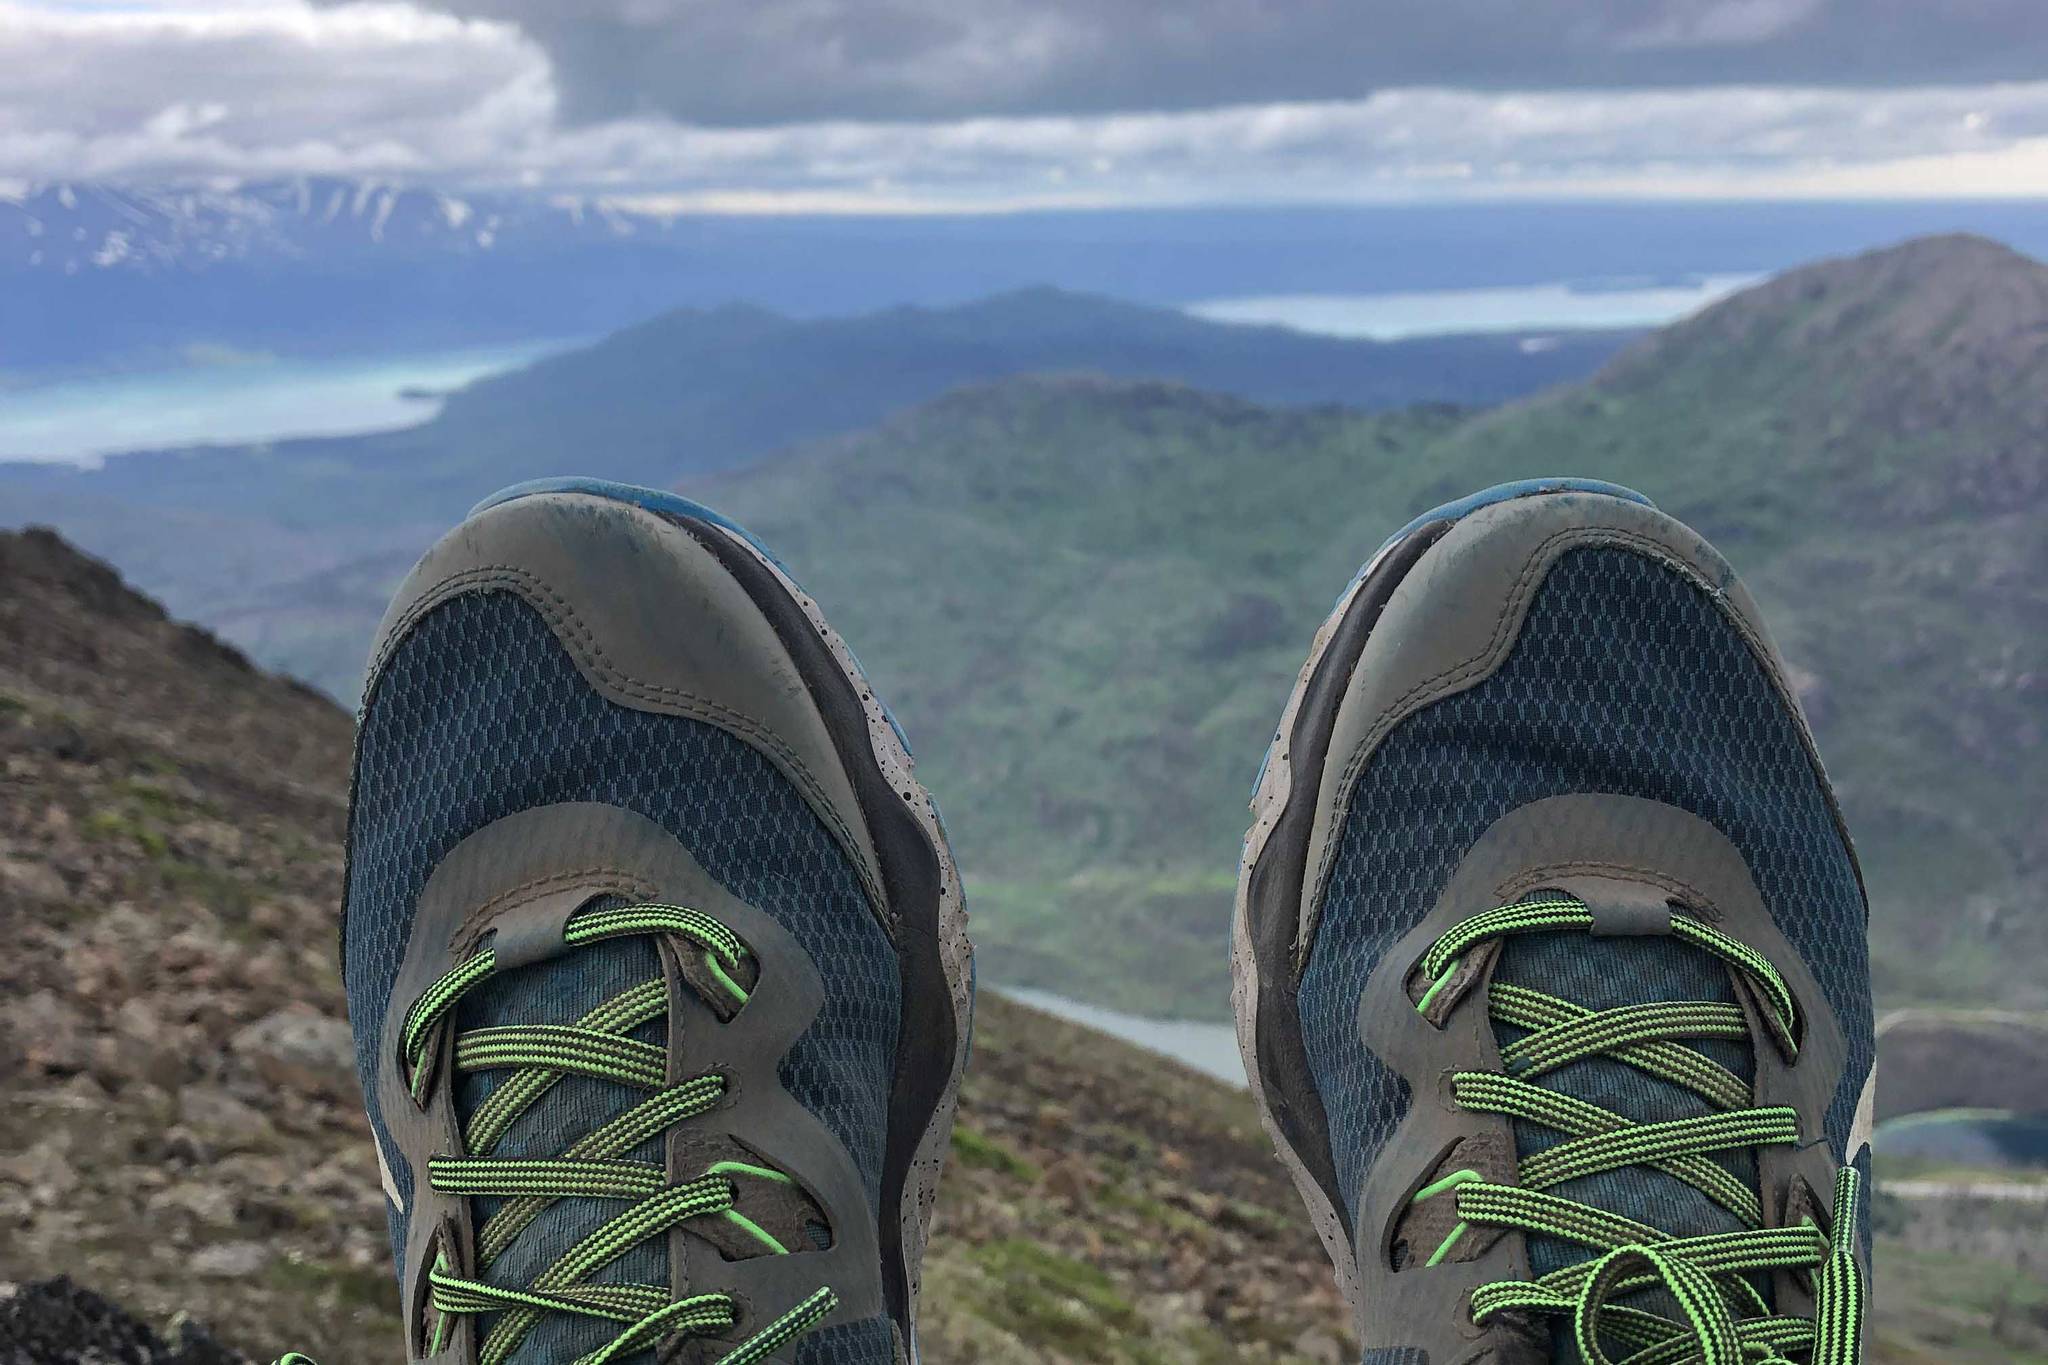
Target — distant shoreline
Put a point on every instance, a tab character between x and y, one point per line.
84	418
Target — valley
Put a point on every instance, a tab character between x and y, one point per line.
1085	595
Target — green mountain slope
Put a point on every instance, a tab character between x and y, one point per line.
698	390
1088	600
1084	599
288	548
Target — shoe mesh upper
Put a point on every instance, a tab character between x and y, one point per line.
1626	679
479	714
1605	974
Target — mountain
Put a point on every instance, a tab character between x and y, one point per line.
709	388
1086	597
102	276
1093	676
179	1127
73	228
697	390
290	547
99	276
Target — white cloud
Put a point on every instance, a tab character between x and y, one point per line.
1396	145
158	90
164	90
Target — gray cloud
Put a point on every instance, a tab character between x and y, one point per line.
737	62
247	89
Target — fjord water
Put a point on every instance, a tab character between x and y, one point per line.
1560	304
1208	1047
240	399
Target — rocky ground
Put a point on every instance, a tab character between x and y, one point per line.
178	1121
58	1320
179	1128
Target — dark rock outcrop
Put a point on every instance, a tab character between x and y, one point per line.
56	1322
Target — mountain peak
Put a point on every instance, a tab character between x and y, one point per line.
1939	343
1921	303
1941	249
1928	285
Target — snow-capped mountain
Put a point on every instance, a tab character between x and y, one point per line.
96	276
70	229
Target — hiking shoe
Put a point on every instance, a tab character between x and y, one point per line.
1550	963
654	951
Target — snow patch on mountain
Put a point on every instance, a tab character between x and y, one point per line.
192	227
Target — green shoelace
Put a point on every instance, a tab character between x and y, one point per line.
1725	1319
593	1167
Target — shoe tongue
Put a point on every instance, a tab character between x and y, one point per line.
561	991
1606	973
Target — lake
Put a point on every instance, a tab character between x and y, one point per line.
1561	304
1979	1138
1976	1139
1207	1047
244	399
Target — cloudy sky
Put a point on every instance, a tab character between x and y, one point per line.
965	105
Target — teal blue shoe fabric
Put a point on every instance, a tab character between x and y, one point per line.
1550	948
480	713
1626	679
